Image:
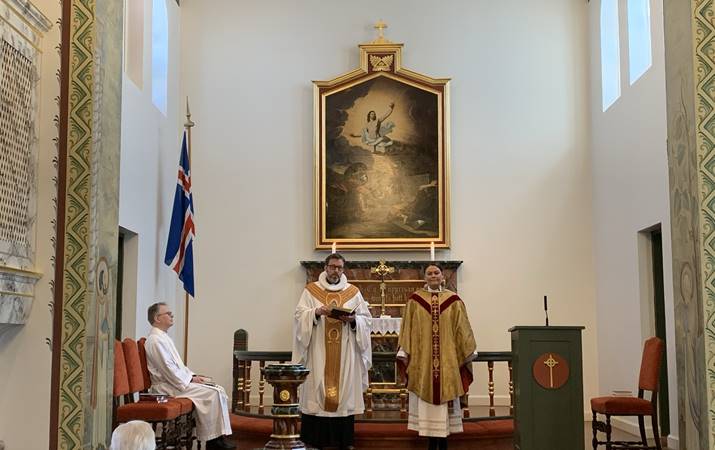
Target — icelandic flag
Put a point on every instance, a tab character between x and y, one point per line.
180	245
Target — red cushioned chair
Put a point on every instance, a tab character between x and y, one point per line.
187	406
164	414
633	406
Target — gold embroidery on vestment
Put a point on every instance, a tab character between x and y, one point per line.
333	341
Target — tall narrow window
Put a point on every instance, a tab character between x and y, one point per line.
134	41
639	51
610	54
159	54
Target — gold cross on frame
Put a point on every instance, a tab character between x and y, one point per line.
551	363
380	27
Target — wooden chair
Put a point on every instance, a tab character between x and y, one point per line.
633	406
164	414
187	406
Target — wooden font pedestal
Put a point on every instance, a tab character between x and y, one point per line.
285	379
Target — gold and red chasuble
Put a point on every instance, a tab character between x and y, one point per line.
438	337
333	340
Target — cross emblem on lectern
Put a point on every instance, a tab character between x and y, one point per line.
551	363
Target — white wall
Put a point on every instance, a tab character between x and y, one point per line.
25	357
521	175
630	193
149	159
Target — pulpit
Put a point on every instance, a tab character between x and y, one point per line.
548	387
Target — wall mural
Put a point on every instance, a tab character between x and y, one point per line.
690	164
90	105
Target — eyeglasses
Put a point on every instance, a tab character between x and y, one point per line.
169	313
334	267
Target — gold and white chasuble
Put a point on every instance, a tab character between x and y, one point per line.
337	355
438	339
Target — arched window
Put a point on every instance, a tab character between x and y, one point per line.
610	54
159	54
639	51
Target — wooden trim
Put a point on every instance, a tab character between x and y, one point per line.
60	224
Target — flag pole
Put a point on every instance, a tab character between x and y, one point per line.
188	125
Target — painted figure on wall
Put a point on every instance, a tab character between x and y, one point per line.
375	132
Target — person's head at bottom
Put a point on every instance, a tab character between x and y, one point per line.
133	435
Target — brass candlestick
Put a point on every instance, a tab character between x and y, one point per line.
381	270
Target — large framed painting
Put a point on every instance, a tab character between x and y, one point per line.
382	155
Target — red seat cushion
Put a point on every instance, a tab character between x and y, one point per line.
185	404
622	406
148	411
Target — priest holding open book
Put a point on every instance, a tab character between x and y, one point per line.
332	339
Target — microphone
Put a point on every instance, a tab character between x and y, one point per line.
546	310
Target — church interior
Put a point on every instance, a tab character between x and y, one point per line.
572	178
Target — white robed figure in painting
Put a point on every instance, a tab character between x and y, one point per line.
170	376
332	339
374	133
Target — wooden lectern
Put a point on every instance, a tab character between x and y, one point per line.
548	388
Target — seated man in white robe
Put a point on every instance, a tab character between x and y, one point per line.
332	339
170	376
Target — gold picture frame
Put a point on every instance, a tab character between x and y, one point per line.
382	168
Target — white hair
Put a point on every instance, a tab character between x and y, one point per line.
133	435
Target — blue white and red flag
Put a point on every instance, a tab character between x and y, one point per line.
180	245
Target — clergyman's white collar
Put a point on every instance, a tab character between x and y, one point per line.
429	289
323	281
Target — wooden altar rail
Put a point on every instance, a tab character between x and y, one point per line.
243	383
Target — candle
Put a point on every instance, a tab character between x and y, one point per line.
335	247
431	251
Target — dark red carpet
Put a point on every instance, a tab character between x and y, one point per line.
483	435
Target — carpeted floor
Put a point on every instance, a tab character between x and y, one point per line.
252	434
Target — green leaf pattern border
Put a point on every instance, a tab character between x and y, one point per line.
77	222
704	63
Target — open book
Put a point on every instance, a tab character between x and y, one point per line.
337	312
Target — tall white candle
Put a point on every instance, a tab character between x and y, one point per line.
335	247
431	251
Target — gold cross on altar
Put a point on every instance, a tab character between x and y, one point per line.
381	270
551	363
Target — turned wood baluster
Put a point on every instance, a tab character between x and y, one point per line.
490	366
261	388
247	385
465	405
369	402
403	402
239	386
511	391
464	400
